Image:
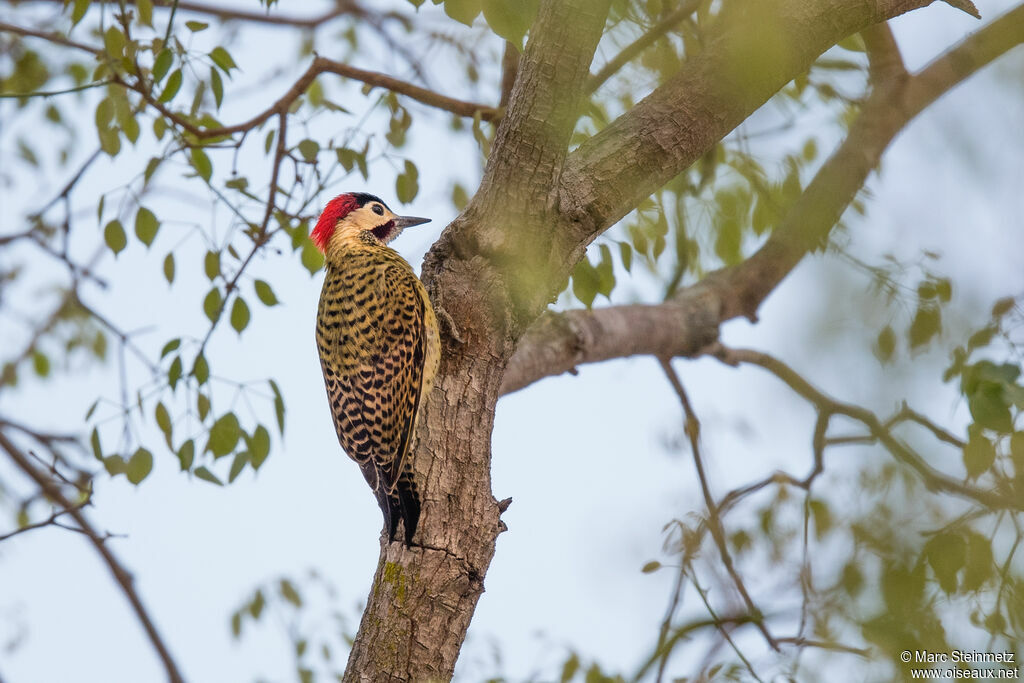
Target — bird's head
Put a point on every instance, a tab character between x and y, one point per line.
357	217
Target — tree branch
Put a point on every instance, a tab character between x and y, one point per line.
751	53
342	7
691	427
933	479
543	105
318	66
689	320
52	36
123	578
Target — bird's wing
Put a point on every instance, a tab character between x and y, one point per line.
378	386
399	369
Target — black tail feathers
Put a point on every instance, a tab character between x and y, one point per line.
401	504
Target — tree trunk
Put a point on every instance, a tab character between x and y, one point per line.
424	596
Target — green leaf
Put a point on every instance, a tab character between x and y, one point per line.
224	435
946	553
239	314
510	19
78	11
885	345
570	668
605	272
289	593
259	446
979	454
139	466
163	421
278	406
151	166
207	475
40	363
170	346
196	26
265	293
172	87
212	304
1002	307
223	59
114	464
202	406
407	183
626	254
237	465
200	369
257	604
211	264
146	225
309	149
174	372
162	64
822	516
115	236
201	163
463	11
113	42
104	114
651	567
145	8
94	441
585	282
926	324
186	455
169	267
979	566
217	85
989	409
311	257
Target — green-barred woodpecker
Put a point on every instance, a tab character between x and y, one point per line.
379	347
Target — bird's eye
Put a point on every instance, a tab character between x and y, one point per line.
378	209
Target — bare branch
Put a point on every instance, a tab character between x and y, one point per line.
320	65
49	521
692	429
52	36
509	69
884	59
269	17
933	478
558	342
123	578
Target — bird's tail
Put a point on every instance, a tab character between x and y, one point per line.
404	504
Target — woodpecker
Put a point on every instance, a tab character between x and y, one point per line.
379	347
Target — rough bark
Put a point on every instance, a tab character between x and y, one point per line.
494	268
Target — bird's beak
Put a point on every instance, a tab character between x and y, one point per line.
409	221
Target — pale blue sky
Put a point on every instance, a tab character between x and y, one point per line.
583	457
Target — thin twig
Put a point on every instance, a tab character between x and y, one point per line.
933	478
692	428
628	53
49	521
720	625
123	578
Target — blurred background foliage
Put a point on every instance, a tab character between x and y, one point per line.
206	178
